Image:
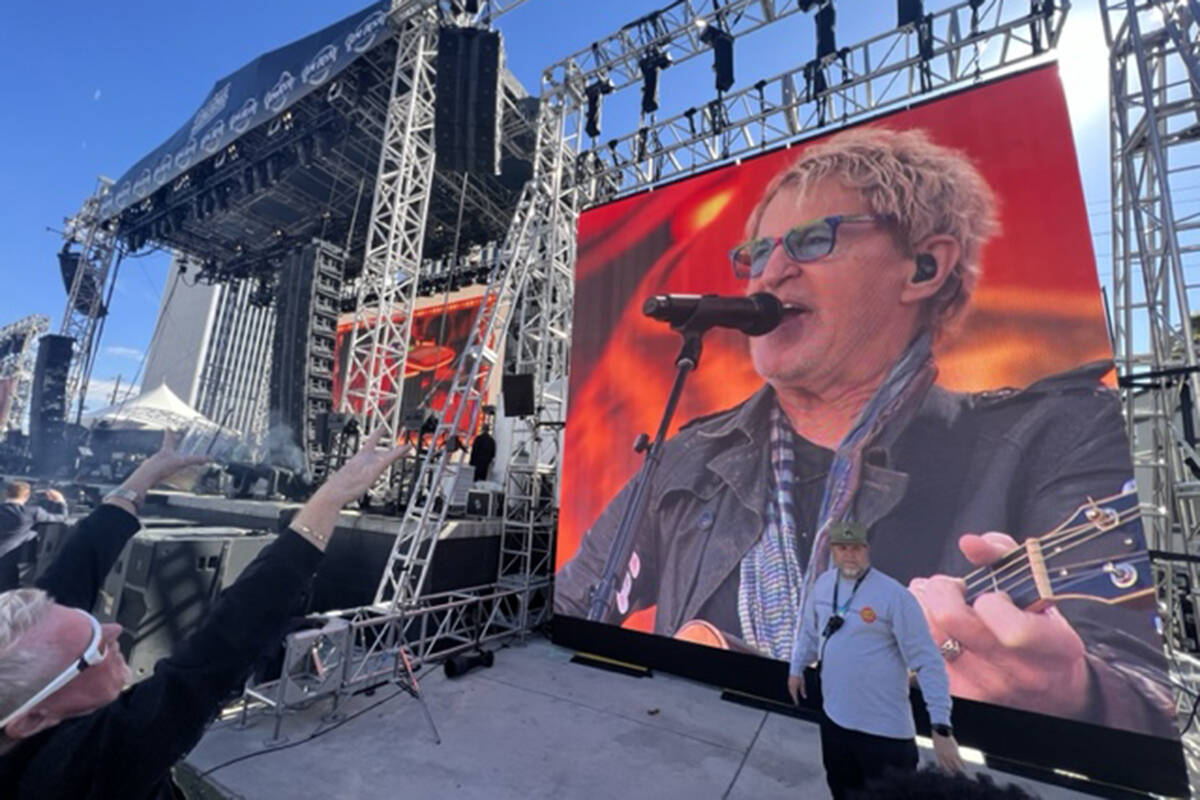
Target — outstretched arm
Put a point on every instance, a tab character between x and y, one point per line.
187	687
79	569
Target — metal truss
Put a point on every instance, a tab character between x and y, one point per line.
1155	138
539	344
373	384
372	646
96	245
865	79
18	342
673	30
524	253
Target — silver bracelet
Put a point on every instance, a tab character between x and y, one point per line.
129	495
309	533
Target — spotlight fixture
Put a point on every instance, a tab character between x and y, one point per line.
651	63
721	42
595	92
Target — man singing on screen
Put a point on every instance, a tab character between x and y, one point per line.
872	241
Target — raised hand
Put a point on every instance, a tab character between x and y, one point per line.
317	519
358	474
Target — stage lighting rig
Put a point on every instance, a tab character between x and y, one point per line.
595	93
651	63
721	42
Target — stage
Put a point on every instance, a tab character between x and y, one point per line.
534	725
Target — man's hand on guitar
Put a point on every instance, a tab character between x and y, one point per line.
795	684
998	653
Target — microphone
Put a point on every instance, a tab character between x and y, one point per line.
753	315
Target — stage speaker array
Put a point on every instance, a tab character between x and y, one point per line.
517	391
302	358
467	117
164	583
48	404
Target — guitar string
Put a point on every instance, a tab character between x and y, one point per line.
986	575
1059	541
1024	571
1017	583
1056	539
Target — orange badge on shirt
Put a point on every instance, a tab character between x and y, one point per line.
867	614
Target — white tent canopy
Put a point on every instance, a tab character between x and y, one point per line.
157	409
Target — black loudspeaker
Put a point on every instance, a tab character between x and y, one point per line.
909	12
48	404
467	118
518	395
483	504
164	583
826	19
300	392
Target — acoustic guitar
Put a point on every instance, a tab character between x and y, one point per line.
1041	570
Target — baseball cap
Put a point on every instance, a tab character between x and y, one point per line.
847	532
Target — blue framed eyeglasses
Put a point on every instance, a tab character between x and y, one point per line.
808	241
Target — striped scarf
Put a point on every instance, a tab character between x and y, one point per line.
772	585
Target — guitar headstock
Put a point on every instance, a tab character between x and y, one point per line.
1099	554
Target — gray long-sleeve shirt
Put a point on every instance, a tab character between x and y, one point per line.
865	665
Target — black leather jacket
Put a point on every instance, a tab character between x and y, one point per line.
1016	461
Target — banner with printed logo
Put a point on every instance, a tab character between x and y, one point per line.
254	94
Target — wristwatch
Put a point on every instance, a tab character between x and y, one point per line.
943	730
127	494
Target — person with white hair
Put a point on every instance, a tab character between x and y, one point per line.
69	728
872	240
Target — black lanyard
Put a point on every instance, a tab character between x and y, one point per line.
835	621
837	584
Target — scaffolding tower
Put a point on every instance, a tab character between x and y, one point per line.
18	352
1155	130
88	251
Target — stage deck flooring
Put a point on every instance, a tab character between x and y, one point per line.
533	726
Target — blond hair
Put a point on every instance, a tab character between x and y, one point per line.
925	188
15	490
23	669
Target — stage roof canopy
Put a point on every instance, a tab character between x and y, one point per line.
251	96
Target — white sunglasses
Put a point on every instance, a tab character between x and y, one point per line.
93	655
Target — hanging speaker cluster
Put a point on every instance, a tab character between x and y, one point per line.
467	116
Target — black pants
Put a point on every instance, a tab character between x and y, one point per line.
10	575
852	758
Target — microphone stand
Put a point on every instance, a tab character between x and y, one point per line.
604	591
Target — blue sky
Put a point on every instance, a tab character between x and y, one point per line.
92	87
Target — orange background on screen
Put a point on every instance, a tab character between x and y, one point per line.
1037	310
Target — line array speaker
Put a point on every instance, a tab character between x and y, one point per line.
165	581
302	357
467	116
48	403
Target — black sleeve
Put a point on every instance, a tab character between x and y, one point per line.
38	514
154	724
573	583
79	569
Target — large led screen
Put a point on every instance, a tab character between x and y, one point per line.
440	331
943	374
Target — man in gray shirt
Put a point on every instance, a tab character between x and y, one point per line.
866	631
